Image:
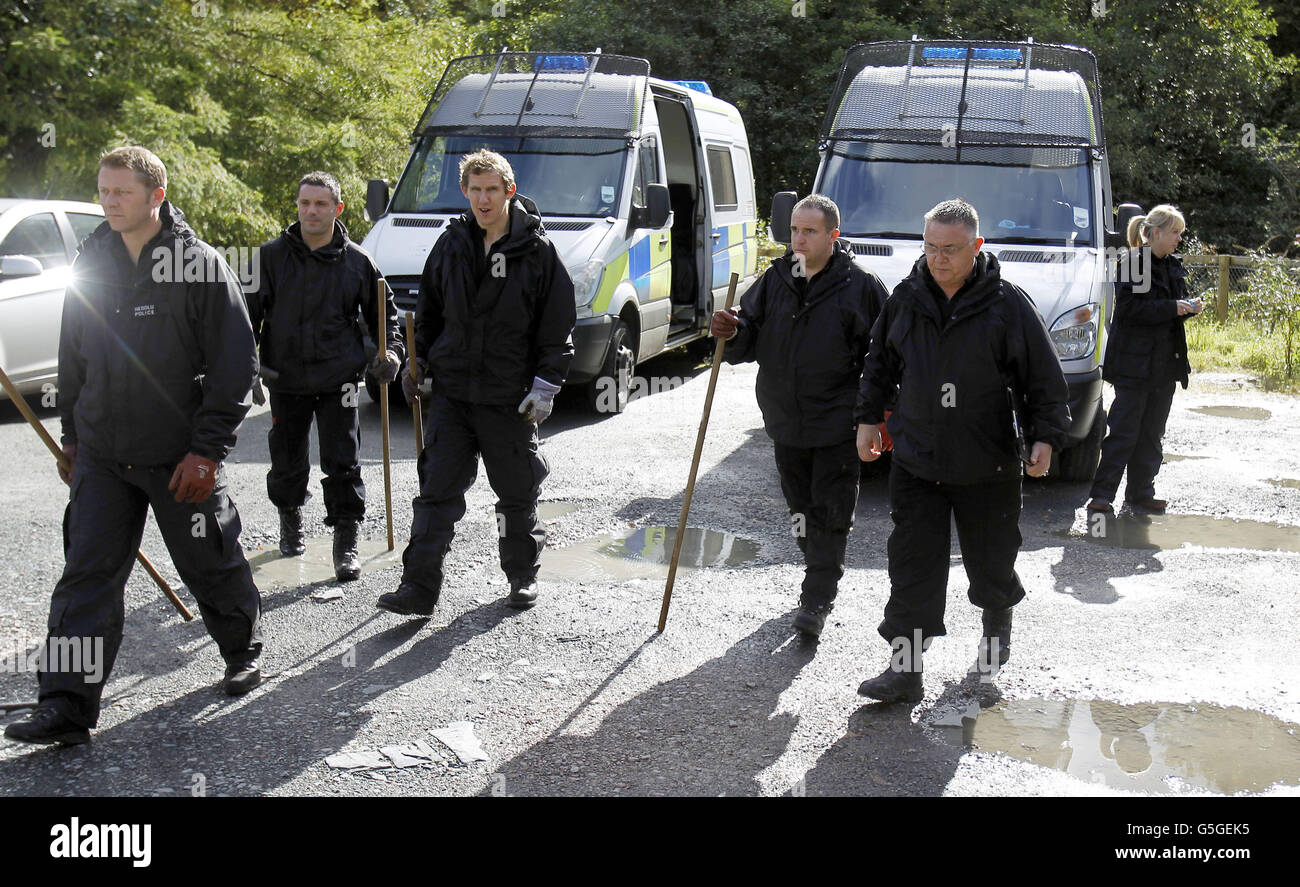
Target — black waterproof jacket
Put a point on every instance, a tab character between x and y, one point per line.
1148	344
952	423
809	353
483	337
310	308
154	363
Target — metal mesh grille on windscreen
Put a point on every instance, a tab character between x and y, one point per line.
960	100
540	94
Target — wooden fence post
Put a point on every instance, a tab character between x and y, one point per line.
1225	277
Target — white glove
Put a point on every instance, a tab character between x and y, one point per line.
540	401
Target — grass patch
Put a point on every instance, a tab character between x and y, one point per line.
1240	345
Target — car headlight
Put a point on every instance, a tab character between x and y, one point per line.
586	282
1074	333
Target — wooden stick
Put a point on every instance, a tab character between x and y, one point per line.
382	338
695	461
417	414
54	448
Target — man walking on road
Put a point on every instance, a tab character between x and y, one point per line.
318	291
154	374
807	321
493	333
962	350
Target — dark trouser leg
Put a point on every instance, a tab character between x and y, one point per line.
821	489
515	469
203	541
447	468
988	530
102	527
1144	463
286	482
339	428
794	467
1123	422
919	547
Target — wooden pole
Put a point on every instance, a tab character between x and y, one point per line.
695	461
417	414
1225	278
381	337
26	410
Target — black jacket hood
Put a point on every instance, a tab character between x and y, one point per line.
331	252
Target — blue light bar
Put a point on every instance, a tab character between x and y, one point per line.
697	85
958	53
560	63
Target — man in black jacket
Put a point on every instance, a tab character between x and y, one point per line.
964	352
494	333
154	372
318	291
807	321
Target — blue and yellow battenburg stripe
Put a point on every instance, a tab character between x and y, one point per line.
735	250
648	264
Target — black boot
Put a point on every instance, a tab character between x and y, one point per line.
811	618
347	566
47	725
409	600
894	685
523	593
997	637
291	541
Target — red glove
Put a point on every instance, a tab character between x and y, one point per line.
193	479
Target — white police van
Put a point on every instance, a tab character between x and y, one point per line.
645	187
1016	130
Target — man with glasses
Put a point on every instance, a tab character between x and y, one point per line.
961	351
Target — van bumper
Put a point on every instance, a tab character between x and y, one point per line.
590	342
1085	401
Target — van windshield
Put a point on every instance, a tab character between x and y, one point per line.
1018	201
564	177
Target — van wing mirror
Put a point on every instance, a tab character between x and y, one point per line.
20	266
1125	212
376	199
658	206
782	208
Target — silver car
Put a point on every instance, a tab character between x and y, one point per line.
38	241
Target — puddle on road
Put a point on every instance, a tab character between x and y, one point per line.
1175	457
1171	531
646	554
549	511
1235	412
270	568
1143	747
1290	483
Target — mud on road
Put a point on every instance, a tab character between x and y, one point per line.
1160	659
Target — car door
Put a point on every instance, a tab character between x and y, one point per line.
31	307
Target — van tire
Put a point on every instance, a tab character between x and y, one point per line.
619	365
1079	463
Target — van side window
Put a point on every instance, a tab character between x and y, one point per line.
37	237
647	170
723	178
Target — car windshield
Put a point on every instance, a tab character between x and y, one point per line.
1018	200
564	177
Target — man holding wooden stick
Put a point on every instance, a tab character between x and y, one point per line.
154	373
807	321
317	292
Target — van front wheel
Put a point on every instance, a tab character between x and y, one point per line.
610	391
1079	463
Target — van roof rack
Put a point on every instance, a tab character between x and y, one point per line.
959	94
557	94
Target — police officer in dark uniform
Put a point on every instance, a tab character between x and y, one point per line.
962	350
318	291
807	321
493	333
154	373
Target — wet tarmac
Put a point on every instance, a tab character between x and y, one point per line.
1171	531
1255	413
646	553
270	568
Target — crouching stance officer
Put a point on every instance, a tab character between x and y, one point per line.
318	290
807	321
493	333
957	345
154	373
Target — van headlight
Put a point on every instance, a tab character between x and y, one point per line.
1074	333
586	283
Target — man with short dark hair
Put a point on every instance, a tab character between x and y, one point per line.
154	371
318	292
494	334
961	350
807	321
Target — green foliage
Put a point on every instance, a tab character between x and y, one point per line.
1272	301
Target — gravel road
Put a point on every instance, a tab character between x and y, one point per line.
1160	659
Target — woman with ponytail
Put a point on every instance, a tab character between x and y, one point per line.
1146	358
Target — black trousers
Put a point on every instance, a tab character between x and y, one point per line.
102	526
1134	428
456	432
338	425
988	529
821	489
